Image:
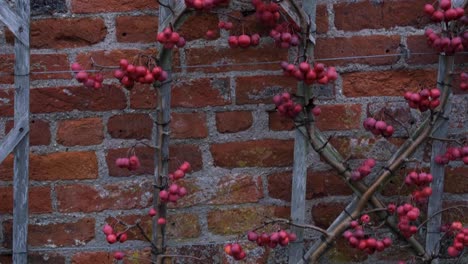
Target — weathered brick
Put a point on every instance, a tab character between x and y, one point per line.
379	14
65	99
95	198
342	252
255	153
39	133
71	233
57	33
358	46
201	93
233	121
48	7
386	83
455	180
278	122
459	212
418	44
89	6
39	200
354	147
143	97
39	63
261	89
100	257
56	166
239	221
319	184
225	56
237	189
196	26
130	126
209	253
7	102
82	132
136	28
321	20
177	153
324	214
188	125
339	117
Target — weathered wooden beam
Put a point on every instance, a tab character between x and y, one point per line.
14	137
21	163
15	23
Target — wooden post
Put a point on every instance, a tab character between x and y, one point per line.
18	23
301	148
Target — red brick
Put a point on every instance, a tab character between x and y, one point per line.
130	126
460	213
82	132
354	16
39	200
341	252
321	20
39	63
208	253
37	258
58	33
56	166
354	147
455	180
417	44
89	6
196	25
93	257
358	46
39	133
261	89
7	102
188	125
233	121
177	153
201	93
95	198
386	83
65	99
226	55
238	220
324	214
237	189
143	97
278	122
319	184
255	153
339	117
72	233
136	28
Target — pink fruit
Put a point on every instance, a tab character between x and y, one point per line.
152	212
119	255
122	237
185	167
161	221
244	41
107	229
111	238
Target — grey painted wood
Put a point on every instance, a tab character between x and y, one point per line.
21	163
15	22
301	146
14	137
433	234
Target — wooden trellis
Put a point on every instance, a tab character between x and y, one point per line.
17	140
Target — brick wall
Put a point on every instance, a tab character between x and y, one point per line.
222	122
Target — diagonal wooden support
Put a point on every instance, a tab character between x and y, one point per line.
15	23
9	143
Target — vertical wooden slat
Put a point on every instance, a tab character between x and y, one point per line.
301	149
21	180
433	234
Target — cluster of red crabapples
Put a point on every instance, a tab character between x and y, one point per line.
357	238
453	153
421	181
89	80
128	74
304	72
282	238
378	127
170	38
445	44
445	12
161	220
267	13
175	192
284	35
464	81
423	100
131	163
244	41
286	106
204	4
112	237
406	214
235	250
460	240
363	170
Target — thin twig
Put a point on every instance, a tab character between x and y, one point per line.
286	221
457	207
155	248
